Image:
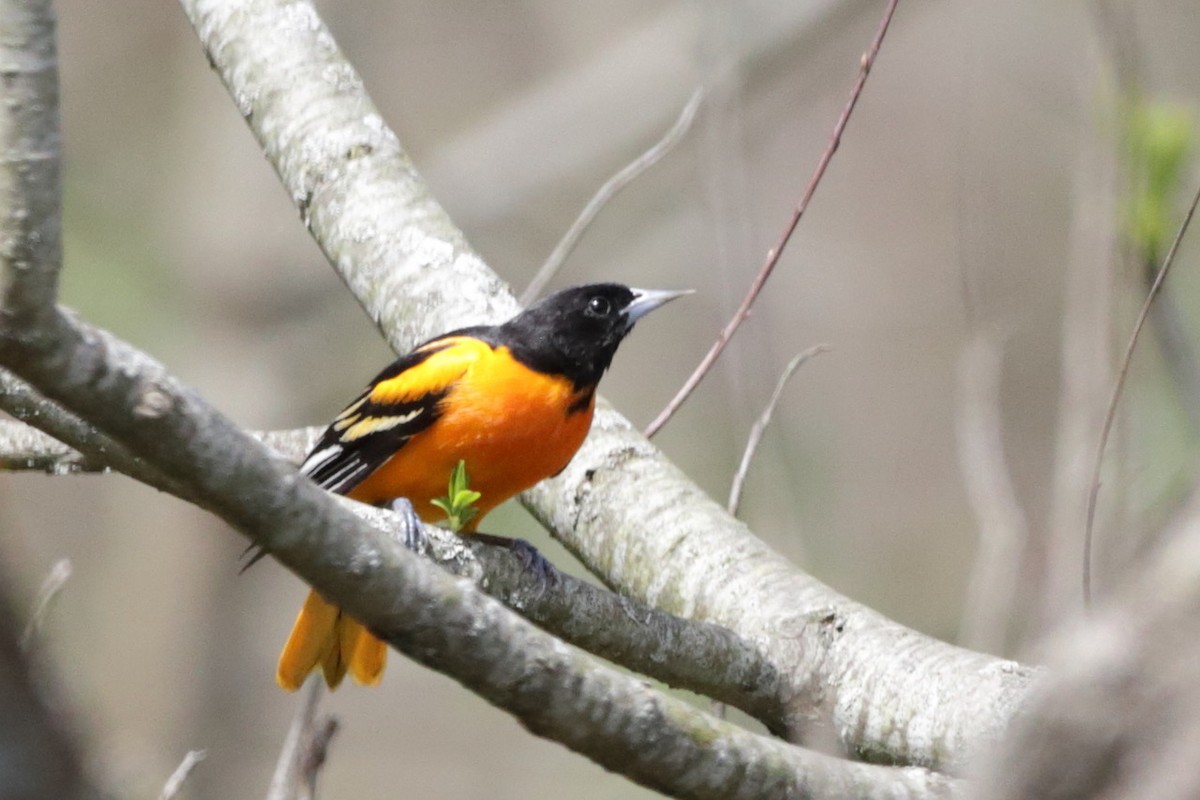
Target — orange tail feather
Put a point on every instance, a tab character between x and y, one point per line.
366	656
323	636
311	642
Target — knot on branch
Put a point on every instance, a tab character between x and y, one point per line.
152	401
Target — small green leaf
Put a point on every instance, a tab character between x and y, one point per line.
459	499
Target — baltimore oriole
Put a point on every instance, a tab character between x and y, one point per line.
512	401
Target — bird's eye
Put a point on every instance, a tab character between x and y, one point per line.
599	306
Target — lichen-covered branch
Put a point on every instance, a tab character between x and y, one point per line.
701	657
621	506
30	182
355	187
37	755
434	618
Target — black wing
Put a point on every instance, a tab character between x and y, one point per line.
374	427
399	403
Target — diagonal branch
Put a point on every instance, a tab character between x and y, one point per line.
1122	374
432	617
700	657
611	188
760	280
629	514
760	426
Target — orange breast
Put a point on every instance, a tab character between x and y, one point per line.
511	425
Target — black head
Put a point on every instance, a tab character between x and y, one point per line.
576	331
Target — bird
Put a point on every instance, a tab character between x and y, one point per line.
512	402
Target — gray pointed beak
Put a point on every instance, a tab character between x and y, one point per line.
646	300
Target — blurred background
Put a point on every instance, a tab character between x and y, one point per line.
974	260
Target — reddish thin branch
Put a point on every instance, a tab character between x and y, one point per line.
1111	416
760	280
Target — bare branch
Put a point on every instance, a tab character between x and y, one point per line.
435	619
702	658
296	770
23	447
760	280
1122	374
951	701
760	426
26	449
92	449
357	192
30	181
623	177
831	651
174	783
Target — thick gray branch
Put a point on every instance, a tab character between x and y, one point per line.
894	693
621	506
700	657
30	190
437	620
356	189
703	658
37	756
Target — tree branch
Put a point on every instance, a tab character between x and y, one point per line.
773	255
611	188
435	619
1111	415
304	747
760	426
30	183
1119	714
629	514
700	657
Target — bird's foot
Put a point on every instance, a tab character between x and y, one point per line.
530	557
410	531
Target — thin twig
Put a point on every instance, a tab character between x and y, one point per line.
625	176
24	448
760	426
58	576
760	280
290	768
181	773
1111	415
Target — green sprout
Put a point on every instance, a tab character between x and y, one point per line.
459	500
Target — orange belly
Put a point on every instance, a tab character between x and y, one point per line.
511	426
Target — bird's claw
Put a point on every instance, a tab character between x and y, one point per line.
412	534
533	561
